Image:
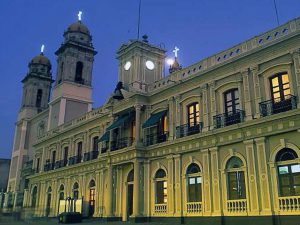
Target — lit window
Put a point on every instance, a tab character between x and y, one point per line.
280	87
193	114
194	183
161	187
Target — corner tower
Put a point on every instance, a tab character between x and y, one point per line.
140	64
72	94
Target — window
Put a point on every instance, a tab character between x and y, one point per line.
37	165
66	153
61	73
95	143
231	100
53	159
193	114
75	191
39	95
61	192
79	151
235	179
288	173
194	183
280	87
78	74
34	197
161	187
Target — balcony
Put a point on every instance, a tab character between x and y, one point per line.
59	164
237	206
90	155
289	204
48	166
104	149
121	143
186	130
275	106
194	207
156	138
74	160
230	118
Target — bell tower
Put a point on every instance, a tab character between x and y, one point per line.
72	94
140	64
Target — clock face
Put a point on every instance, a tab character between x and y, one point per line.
150	65
127	65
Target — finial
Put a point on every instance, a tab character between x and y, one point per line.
176	49
79	15
42	49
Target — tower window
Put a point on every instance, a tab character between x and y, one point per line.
39	98
61	72
78	74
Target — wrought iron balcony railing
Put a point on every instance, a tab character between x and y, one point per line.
227	119
156	138
186	130
275	106
104	149
121	143
90	155
74	160
48	166
59	164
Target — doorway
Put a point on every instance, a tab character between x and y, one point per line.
92	193
48	205
130	193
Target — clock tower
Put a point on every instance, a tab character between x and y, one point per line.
140	64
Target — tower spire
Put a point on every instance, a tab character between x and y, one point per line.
42	49
79	16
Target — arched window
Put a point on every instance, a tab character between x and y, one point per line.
34	197
231	101
78	74
39	95
194	183
95	143
235	179
161	187
61	192
75	190
92	186
288	172
280	87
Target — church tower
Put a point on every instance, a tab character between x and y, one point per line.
72	94
36	92
140	64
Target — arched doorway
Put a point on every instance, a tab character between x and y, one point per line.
92	186
130	179
34	197
48	205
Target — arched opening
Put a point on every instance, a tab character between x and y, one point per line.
78	73
232	107
92	186
236	188
39	95
194	183
34	197
161	192
75	190
288	172
61	192
130	179
48	205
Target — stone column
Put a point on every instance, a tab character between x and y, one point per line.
205	107
170	185
97	194
213	103
215	176
177	110
252	199
296	63
263	172
257	91
109	191
147	189
207	208
138	125
178	186
42	198
247	95
171	118
136	188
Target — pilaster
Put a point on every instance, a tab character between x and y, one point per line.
215	177
178	186
296	66
257	91
246	94
207	206
171	199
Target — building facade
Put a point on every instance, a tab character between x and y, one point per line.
215	142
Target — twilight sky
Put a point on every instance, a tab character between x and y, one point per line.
200	28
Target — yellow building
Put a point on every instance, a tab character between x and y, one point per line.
216	142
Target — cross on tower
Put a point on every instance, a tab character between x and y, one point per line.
176	49
79	15
42	49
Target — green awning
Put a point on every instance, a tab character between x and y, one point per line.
119	122
154	119
105	137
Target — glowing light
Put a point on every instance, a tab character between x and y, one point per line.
42	48
127	65
176	49
150	65
170	62
79	15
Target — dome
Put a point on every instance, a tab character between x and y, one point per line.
78	27
41	59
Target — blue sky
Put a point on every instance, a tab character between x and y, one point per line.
200	28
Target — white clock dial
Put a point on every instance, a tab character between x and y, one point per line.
127	65
150	65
